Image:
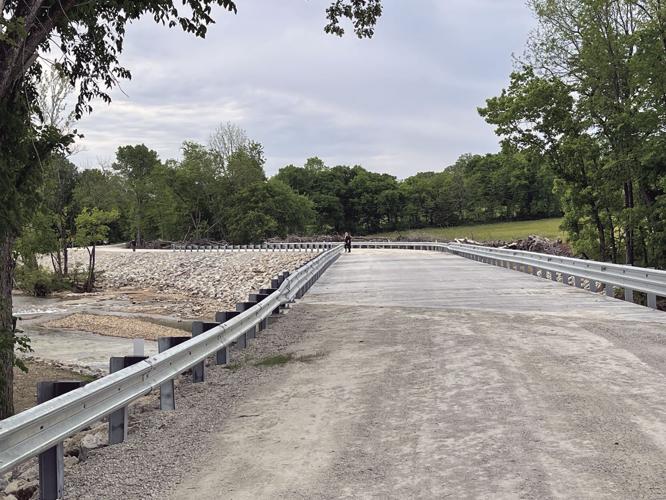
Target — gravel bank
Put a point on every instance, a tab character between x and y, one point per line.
225	276
115	326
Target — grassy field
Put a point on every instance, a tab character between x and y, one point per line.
549	228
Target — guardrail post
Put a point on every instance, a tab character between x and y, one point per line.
223	356
610	292
52	461
118	420
628	294
244	306
258	297
652	300
167	397
565	279
199	370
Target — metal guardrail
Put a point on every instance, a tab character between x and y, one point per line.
604	275
571	271
601	275
35	430
266	247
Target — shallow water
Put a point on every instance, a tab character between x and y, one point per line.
81	348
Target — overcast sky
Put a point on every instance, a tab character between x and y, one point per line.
402	102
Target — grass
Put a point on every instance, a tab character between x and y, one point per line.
548	228
281	359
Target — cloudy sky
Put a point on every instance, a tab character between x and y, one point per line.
402	102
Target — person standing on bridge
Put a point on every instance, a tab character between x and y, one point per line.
348	242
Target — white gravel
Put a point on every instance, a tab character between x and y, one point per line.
189	284
198	274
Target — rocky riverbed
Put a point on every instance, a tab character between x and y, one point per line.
144	294
223	276
178	284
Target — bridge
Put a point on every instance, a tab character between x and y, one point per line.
422	374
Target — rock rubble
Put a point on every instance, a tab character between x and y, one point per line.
200	282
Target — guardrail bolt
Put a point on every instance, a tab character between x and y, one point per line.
52	461
119	419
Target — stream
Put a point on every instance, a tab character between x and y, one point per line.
78	348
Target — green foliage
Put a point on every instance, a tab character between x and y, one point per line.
251	226
17	344
362	13
245	167
37	238
505	186
591	104
92	226
140	168
40	282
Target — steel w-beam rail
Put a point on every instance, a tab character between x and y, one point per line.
29	433
649	281
302	246
652	282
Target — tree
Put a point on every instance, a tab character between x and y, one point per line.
58	203
137	165
245	167
228	139
591	95
90	37
196	182
92	227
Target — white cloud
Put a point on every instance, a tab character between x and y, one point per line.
402	102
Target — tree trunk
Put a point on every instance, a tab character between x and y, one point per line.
88	286
92	270
63	249
6	329
611	231
601	230
628	229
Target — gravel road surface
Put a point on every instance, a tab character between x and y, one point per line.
416	375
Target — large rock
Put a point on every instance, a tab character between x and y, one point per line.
92	441
22	490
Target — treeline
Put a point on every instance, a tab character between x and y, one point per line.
476	189
220	192
214	192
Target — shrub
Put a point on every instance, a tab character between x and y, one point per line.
39	282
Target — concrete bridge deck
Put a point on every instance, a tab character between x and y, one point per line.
440	377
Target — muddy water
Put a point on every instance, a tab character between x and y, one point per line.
77	347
